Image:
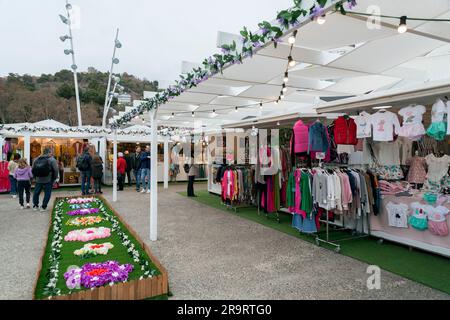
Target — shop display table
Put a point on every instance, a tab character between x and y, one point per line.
410	236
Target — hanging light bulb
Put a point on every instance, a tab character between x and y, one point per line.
402	28
236	109
321	19
284	88
292	38
173	115
278	123
286	77
291	61
260	105
281	95
214	113
276	101
193	114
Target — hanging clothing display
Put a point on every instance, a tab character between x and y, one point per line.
4	177
384	124
318	138
345	130
363	129
417	170
300	138
438	127
412	126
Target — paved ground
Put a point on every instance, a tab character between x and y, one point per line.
209	253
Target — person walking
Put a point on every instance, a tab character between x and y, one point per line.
23	176
97	173
129	162
84	164
12	166
136	165
193	171
145	170
45	171
121	169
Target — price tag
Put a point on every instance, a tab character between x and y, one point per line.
320	155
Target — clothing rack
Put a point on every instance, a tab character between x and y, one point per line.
230	205
337	227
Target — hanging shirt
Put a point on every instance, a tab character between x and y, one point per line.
437	167
438	111
412	114
384	124
363	126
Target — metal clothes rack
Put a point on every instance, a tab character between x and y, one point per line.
231	206
337	227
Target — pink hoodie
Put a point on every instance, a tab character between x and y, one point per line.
23	174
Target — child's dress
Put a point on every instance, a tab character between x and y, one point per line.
412	122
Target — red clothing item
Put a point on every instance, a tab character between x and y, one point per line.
345	131
121	165
300	137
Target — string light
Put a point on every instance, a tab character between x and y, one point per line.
214	112
292	38
236	109
402	28
321	19
260	105
284	88
281	95
286	77
291	61
193	114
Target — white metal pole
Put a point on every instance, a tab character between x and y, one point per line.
1	147
166	162
26	147
75	78
115	166
154	178
106	105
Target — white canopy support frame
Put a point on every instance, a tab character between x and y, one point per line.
115	166
154	177
166	162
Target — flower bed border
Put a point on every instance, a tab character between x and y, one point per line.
130	290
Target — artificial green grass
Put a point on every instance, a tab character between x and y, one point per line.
428	269
118	253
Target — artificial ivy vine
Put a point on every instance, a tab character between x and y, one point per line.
231	54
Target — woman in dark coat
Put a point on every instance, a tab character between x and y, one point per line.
97	173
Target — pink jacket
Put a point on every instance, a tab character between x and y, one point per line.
301	131
228	185
346	191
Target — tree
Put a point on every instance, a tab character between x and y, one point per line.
66	91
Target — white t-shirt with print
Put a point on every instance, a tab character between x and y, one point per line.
437	214
397	215
438	111
363	129
383	125
437	167
412	114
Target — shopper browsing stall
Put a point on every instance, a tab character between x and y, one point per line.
97	173
121	169
23	176
145	170
12	166
84	165
136	164
45	170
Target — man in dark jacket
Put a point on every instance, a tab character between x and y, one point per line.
48	167
136	165
145	170
84	164
129	162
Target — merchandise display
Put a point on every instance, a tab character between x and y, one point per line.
121	258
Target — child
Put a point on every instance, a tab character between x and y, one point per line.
23	175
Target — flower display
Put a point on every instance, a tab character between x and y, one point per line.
80	206
93	275
84	221
80	200
82	212
88	234
93	249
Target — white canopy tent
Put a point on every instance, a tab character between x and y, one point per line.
345	58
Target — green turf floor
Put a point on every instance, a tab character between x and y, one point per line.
428	269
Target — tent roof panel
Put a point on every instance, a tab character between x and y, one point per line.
379	55
361	85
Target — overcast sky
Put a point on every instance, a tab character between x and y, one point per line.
156	35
